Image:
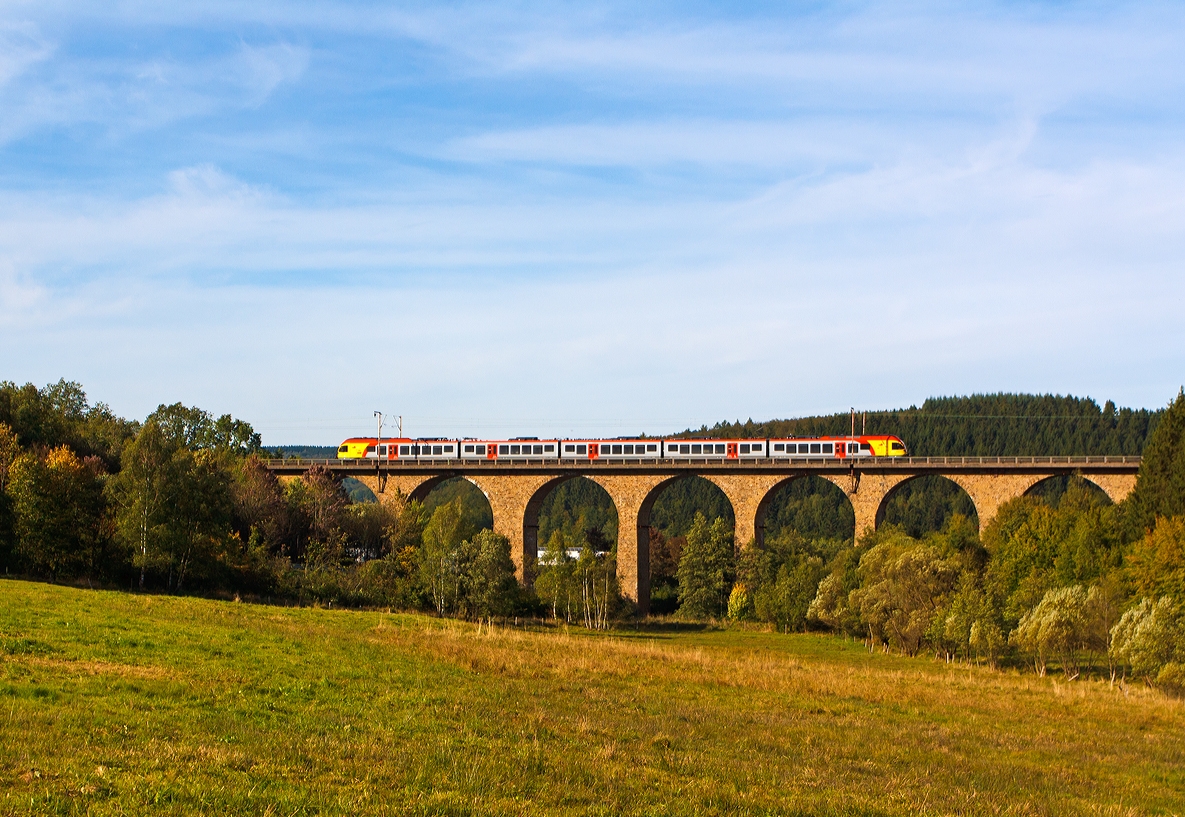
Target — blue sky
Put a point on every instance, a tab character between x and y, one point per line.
589	219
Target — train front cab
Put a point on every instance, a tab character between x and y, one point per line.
356	448
887	447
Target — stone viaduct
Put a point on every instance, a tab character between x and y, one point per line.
516	490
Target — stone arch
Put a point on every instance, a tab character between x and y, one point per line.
426	489
535	504
1115	487
771	494
720	487
913	481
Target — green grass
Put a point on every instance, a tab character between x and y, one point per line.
121	704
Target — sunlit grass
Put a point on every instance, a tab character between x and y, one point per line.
120	704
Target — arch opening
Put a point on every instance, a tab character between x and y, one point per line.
576	510
669	512
574	523
476	512
925	504
1074	489
808	507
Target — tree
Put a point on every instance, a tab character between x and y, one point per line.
440	556
706	569
595	577
173	505
58	508
259	504
317	506
903	586
1156	563
1160	485
490	588
9	450
1150	639
1057	626
195	429
557	576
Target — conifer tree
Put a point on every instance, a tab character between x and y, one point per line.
1160	487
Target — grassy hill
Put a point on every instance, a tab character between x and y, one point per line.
115	703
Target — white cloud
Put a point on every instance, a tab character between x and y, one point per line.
21	47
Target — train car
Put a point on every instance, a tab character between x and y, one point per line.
837	447
620	449
511	450
714	449
388	449
428	449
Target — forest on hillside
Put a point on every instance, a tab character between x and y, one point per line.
981	425
181	503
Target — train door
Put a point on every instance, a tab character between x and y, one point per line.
732	451
594	451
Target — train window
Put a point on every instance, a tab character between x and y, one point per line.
744	448
569	449
468	449
853	448
827	448
415	450
550	449
816	448
582	449
779	446
537	450
514	449
652	448
370	449
865	447
696	449
617	449
481	450
684	448
503	450
897	446
448	449
437	450
758	448
382	450
803	448
345	449
404	450
629	449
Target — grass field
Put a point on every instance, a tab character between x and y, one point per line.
113	703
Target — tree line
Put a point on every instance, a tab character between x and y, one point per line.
981	425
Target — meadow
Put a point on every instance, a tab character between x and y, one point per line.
114	703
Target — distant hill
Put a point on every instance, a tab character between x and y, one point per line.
985	425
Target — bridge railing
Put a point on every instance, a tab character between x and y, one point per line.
875	462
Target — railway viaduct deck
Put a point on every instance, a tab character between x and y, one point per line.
516	490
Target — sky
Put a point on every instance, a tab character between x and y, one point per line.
500	219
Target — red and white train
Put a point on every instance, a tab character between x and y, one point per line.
530	448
